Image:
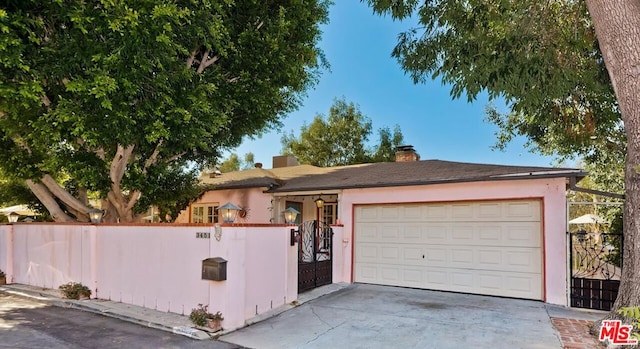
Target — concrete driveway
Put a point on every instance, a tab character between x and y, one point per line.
371	316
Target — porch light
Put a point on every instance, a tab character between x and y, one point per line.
13	217
228	212
95	215
290	215
319	202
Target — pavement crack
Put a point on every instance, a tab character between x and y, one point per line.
331	328
313	310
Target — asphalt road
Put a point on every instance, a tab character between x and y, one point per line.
29	324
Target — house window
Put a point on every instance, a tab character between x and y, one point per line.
330	213
206	213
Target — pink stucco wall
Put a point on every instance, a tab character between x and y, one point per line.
253	199
551	191
158	266
51	256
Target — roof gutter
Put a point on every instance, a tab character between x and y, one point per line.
574	187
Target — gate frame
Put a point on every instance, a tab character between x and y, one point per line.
568	241
317	238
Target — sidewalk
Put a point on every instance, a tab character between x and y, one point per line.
165	321
160	320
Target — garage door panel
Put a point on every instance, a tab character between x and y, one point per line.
489	248
389	232
436	257
488	234
412	253
458	280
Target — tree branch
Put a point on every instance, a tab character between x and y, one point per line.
133	199
192	58
116	202
153	159
68	199
98	151
206	61
116	172
119	165
175	157
46	198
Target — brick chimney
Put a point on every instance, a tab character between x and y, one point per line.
406	153
284	161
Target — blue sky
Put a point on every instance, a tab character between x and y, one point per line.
358	46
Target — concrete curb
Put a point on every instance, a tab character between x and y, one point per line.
78	305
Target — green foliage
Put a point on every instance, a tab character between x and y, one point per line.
185	188
175	81
340	139
233	163
249	161
632	313
540	57
75	290
386	149
200	315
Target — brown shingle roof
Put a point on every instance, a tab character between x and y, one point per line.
388	174
258	177
383	174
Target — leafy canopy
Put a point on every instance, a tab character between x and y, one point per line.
341	139
108	92
540	57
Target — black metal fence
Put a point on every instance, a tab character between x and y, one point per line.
596	265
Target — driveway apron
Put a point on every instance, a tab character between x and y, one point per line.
372	316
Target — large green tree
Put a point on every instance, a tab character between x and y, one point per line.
570	81
111	93
341	139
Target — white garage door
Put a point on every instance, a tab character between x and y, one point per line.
491	247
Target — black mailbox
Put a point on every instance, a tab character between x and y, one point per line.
214	269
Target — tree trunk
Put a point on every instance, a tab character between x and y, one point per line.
617	24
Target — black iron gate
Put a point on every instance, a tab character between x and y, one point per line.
314	255
596	262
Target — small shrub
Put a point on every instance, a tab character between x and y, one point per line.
634	314
200	315
2	274
75	290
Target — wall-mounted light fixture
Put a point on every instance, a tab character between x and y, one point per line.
228	212
295	236
319	202
290	215
13	217
95	215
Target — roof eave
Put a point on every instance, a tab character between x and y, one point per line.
284	189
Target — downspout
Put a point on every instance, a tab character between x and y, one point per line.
572	186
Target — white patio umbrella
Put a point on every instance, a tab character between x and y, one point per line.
22	210
588	219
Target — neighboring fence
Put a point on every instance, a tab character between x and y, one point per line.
596	265
158	266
